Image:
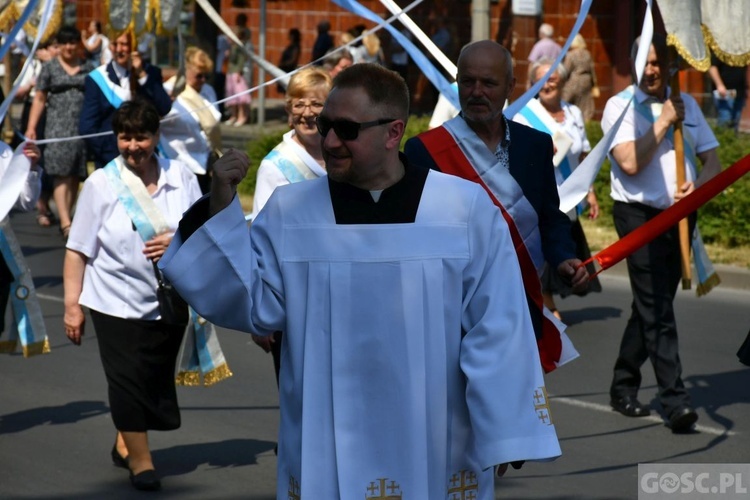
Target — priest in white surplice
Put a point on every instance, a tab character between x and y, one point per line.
409	364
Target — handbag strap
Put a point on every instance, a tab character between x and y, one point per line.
160	281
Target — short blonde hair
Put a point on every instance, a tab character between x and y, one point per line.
578	42
198	59
307	80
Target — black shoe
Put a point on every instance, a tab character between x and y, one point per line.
145	481
118	459
630	407
682	419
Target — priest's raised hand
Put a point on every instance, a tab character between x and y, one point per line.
229	170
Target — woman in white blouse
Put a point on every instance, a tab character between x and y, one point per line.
298	157
564	122
109	269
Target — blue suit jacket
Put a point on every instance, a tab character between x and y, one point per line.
96	114
531	166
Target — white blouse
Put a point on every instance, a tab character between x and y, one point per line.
119	280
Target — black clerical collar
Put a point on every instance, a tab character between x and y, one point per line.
398	203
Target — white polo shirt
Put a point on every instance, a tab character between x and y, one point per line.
655	184
119	280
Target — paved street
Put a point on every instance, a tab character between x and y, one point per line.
56	432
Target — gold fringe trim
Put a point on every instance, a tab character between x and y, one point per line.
55	21
8	17
699	64
8	346
188	378
112	33
725	57
157	15
708	285
216	375
36	348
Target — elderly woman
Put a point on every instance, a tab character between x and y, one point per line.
564	122
127	213
580	88
297	158
191	132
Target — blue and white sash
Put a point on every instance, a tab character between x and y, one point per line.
28	325
538	118
502	184
200	342
190	131
289	163
114	94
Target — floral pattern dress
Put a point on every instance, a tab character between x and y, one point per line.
64	102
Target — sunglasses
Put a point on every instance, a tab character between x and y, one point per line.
347	130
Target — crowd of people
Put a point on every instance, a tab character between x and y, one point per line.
351	235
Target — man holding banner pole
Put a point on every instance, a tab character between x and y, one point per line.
644	184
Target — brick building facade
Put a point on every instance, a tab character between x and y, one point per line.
608	30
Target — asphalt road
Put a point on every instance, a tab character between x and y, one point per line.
56	432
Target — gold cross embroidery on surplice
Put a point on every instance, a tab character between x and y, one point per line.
463	486
541	405
383	489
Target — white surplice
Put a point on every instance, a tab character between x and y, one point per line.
408	366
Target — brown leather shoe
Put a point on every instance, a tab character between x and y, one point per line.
630	407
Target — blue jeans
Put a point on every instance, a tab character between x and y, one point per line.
729	112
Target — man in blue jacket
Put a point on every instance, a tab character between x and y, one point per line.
108	86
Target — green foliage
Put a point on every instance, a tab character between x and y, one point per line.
725	220
257	149
415	126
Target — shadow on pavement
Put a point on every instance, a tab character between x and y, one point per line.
575	316
53	415
184	459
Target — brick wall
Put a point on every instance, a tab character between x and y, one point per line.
608	30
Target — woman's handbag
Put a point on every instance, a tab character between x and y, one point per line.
173	309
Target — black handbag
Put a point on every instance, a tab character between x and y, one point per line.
173	309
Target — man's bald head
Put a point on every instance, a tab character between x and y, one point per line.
488	49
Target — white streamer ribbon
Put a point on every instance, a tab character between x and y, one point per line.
14	170
46	15
575	188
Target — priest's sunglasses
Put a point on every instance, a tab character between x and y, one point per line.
347	130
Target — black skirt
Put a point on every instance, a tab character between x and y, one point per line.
551	280
139	362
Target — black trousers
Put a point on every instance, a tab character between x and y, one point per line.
651	333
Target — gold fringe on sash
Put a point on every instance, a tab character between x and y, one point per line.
36	348
191	378
708	285
218	374
8	346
